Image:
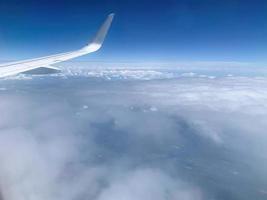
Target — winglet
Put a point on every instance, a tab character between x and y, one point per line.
99	38
102	32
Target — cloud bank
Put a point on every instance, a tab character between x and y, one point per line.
186	138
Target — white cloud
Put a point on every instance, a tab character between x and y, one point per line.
130	140
150	185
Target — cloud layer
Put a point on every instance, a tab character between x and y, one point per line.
186	138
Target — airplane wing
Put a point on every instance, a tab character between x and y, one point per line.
13	68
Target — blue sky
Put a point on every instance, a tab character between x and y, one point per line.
143	31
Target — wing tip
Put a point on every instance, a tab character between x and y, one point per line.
99	38
111	14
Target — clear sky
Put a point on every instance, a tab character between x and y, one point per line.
150	31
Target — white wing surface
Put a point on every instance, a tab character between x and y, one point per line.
8	69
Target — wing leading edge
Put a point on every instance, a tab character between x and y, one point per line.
13	68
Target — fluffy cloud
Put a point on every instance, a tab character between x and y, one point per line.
93	139
149	184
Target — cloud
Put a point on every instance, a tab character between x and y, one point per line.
149	184
45	154
93	139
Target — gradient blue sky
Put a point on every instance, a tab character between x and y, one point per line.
143	31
